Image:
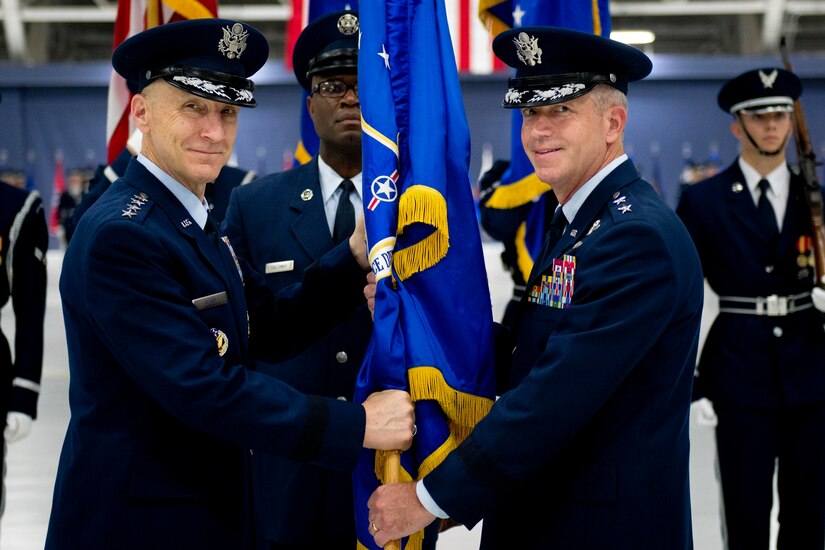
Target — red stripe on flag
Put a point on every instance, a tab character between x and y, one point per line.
464	35
58	188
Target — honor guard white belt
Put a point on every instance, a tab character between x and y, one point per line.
770	306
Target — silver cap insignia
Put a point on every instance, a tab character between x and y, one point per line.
348	24
527	48
233	42
768	79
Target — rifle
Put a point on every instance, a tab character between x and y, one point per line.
807	167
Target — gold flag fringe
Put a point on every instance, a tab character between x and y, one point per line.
421	204
301	154
463	411
518	193
523	259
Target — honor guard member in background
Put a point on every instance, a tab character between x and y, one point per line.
589	448
763	361
24	240
163	323
217	192
281	224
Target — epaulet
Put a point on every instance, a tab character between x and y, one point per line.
136	207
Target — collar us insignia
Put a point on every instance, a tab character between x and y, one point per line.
233	42
737	187
768	79
348	24
306	195
527	49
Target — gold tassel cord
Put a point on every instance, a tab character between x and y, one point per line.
421	204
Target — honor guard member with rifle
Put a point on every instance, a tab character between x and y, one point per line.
589	447
164	323
763	362
24	240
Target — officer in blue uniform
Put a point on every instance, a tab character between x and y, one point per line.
163	322
282	223
589	448
24	240
762	362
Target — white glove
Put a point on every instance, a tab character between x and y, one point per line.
18	426
705	415
818	298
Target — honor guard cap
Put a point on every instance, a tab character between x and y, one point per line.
329	44
555	64
210	58
760	91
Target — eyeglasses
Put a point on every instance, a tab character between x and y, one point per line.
334	89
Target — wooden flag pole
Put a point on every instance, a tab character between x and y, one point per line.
392	472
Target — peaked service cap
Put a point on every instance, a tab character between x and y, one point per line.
554	64
327	44
210	58
760	91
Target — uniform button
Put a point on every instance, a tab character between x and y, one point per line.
341	357
777	331
768	269
341	398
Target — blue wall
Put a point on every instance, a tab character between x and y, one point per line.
46	109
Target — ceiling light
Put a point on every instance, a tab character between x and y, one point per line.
633	37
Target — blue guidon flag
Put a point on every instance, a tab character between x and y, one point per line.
519	184
433	315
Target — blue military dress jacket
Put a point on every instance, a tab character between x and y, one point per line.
589	449
165	411
278	224
753	360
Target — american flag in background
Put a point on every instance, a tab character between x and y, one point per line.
134	16
472	40
58	188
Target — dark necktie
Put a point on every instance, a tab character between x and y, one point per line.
554	233
766	212
211	230
344	223
557	225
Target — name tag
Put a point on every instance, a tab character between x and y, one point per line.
205	302
278	267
